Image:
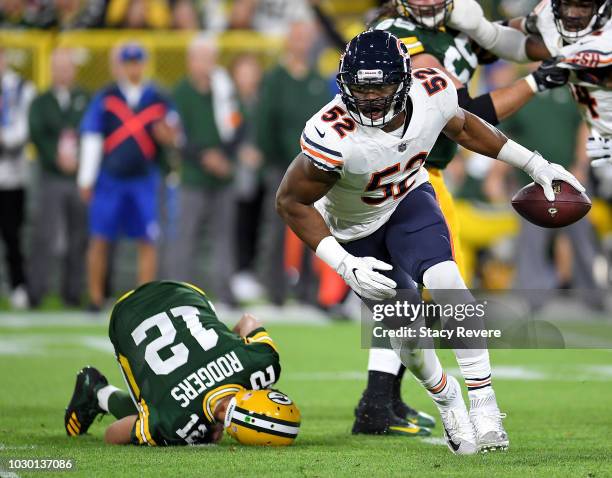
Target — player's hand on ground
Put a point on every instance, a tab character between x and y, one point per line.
360	274
549	172
599	151
466	15
550	75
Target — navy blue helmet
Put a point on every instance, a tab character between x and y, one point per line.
578	18
375	77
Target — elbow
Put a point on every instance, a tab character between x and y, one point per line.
282	203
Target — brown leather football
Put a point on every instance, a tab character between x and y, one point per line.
568	207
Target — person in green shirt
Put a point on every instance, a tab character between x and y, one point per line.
205	101
291	92
54	119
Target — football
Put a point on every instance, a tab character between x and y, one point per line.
568	207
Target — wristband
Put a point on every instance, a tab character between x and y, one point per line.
331	252
518	156
530	79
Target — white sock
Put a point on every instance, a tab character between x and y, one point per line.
476	370
104	394
384	360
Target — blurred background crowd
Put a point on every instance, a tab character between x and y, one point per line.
215	94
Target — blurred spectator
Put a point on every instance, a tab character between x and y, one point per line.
270	17
247	74
185	15
16	94
138	14
123	130
59	215
207	105
16	14
291	93
562	140
73	14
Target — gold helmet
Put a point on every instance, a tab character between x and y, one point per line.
262	417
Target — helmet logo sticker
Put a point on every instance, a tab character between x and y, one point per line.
279	398
370	75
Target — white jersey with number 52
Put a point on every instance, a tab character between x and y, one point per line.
376	169
592	51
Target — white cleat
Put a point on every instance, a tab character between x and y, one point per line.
487	421
458	429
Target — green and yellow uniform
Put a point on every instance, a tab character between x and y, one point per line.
453	50
178	360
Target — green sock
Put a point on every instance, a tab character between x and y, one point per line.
120	404
116	402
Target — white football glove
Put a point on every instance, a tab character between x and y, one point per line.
547	172
361	276
466	15
599	151
358	272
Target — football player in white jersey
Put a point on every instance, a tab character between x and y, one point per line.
359	196
577	34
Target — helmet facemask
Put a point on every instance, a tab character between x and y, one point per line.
375	111
576	19
431	16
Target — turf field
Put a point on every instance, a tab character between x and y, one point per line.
558	405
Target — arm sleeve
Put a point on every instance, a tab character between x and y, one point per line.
92	145
482	106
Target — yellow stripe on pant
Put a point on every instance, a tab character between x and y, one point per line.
447	204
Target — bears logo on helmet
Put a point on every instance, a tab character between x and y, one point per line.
262	417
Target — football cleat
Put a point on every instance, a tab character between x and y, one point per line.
379	419
487	421
458	429
83	407
421	419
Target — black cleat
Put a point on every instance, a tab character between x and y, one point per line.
83	407
378	419
408	413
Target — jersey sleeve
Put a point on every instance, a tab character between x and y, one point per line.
319	145
441	90
260	336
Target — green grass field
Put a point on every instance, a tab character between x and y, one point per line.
558	405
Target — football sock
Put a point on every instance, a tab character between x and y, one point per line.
397	383
476	370
384	360
427	369
380	386
116	402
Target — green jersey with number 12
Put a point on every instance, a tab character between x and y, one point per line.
178	360
452	49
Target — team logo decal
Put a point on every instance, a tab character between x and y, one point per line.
279	398
553	211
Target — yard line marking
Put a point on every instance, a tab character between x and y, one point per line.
97	343
434	441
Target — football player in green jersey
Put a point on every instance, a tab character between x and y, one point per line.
421	25
184	370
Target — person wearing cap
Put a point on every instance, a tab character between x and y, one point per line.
122	133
